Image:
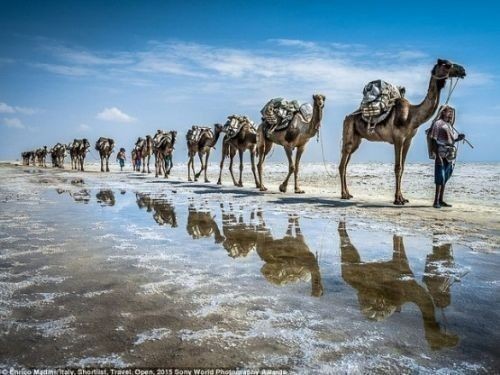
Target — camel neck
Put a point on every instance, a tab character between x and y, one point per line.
317	115
423	112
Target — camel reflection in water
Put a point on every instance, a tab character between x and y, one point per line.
384	287
287	260
105	197
164	212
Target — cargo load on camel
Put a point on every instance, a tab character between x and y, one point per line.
278	113
379	98
234	123
193	135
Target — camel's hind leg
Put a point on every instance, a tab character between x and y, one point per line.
263	149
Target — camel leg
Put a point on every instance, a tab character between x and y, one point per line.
143	164
298	155
197	175
223	156
149	159
156	164
102	163
107	164
240	182
348	148
406	147
189	167
206	165
263	151
291	168
398	197
232	153
252	160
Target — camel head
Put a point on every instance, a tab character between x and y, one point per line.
446	69
85	143
174	135
218	128
319	100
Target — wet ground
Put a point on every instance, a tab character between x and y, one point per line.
127	271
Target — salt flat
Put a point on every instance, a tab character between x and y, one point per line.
123	269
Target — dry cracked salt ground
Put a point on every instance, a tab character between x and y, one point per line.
90	279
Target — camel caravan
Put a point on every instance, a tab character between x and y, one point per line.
384	115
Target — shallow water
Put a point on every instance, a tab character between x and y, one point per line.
127	273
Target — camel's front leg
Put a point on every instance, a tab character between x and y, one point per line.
102	163
406	147
348	148
157	165
263	150
298	155
398	171
252	161
223	156
206	165
190	161
240	182
197	175
291	168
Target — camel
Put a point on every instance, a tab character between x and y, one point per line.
201	145
295	136
246	139
164	211
383	287
133	158
78	150
58	154
28	156
163	148
145	146
105	148
41	156
398	128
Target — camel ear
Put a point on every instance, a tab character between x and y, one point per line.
440	62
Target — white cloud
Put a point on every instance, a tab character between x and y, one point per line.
5	108
13	123
113	114
83	127
75	71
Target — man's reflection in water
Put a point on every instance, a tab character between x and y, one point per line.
384	287
106	197
164	211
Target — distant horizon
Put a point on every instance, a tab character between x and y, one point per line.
122	70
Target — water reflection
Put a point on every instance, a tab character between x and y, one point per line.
287	259
105	198
164	211
384	287
81	196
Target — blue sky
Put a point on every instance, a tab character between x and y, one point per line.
122	69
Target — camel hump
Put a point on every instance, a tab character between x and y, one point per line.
379	97
235	123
